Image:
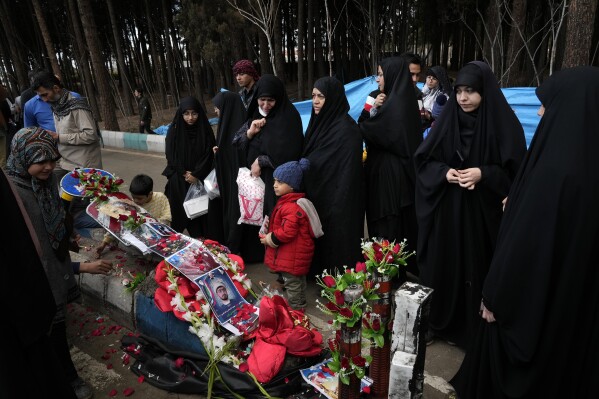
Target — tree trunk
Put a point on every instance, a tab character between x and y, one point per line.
93	43
83	60
170	64
196	66
155	58
47	38
320	63
279	58
265	64
123	73
579	33
300	49
16	55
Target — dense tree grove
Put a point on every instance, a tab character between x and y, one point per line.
104	48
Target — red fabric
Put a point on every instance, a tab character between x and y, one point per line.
291	226
187	288
278	334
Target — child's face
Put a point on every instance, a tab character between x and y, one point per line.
281	188
141	199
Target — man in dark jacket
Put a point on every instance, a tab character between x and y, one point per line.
145	111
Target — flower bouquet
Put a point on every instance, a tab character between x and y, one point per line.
133	220
96	184
333	286
344	366
385	257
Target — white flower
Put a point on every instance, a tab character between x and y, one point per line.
206	309
173	285
247	284
218	342
125	281
187	316
239	277
177	302
199	295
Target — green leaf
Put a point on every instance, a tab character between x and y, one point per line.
344	379
379	341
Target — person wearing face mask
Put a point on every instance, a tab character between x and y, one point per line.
335	180
464	170
271	135
189	156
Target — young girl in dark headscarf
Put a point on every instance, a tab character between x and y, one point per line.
392	136
335	180
189	157
271	136
464	170
30	166
539	336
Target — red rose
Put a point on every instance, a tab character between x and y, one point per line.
376	324
123	218
119	181
332	307
360	267
385	243
346	312
358	361
389	257
365	323
396	248
244	367
344	363
339	300
329	281
333	344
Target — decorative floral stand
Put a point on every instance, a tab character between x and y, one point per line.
381	357
351	344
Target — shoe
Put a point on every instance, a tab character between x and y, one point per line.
450	343
82	389
430	337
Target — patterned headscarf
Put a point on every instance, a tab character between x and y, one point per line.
32	145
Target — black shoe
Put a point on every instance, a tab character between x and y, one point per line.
430	337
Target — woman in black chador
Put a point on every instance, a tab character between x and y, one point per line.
271	136
539	336
335	180
392	136
224	211
189	157
464	170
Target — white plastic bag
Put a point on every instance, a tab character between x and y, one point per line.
211	185
251	198
196	201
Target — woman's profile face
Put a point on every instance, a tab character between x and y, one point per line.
190	116
380	79
318	100
468	98
41	170
266	104
432	82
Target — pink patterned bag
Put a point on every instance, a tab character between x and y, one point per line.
251	198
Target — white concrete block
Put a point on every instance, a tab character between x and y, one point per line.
155	143
411	305
402	371
93	284
118	297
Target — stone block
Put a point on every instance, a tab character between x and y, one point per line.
411	317
401	375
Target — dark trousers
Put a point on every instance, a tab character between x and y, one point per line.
145	128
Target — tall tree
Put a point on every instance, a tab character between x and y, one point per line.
579	33
300	48
12	35
100	73
123	73
46	36
82	58
156	66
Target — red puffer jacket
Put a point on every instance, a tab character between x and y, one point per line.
291	227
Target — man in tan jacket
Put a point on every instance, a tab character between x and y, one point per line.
77	133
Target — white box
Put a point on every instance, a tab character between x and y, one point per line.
196	207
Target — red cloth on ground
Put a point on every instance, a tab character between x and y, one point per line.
278	334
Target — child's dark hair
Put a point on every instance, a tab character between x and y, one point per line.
141	185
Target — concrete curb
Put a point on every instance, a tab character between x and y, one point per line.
134	141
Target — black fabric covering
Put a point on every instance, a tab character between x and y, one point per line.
543	283
335	180
187	148
227	161
458	227
156	362
281	138
27	351
392	137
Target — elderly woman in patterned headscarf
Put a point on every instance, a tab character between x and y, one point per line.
30	165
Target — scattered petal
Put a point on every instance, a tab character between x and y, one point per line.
140	379
113	392
128	391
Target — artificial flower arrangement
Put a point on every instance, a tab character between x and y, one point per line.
95	184
344	313
133	220
373	328
385	257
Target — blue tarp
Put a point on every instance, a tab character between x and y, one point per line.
523	101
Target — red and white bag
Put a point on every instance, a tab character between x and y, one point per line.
251	198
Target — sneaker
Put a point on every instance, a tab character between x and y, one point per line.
82	389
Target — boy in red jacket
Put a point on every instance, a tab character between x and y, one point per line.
292	227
